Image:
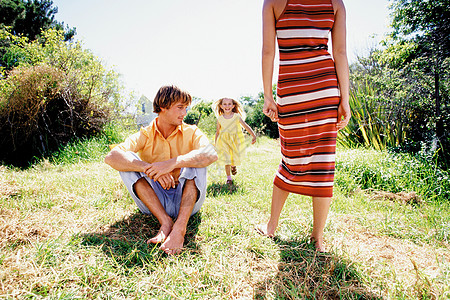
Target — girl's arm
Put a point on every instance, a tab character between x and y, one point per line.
268	56
249	130
338	39
217	131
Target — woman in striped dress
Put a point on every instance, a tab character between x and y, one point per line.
312	100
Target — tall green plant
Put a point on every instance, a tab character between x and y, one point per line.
370	124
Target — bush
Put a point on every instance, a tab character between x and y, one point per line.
94	148
60	92
391	172
208	124
256	119
371	125
201	114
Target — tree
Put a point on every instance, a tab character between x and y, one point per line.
427	24
26	19
30	17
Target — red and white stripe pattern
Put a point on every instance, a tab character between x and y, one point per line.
307	99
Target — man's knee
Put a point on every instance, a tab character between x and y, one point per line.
141	184
190	188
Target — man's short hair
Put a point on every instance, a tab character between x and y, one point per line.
168	96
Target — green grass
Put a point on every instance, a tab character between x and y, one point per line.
69	230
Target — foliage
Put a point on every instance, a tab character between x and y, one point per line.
57	92
29	17
192	117
195	113
373	123
198	110
208	124
407	81
201	114
256	119
426	24
93	148
398	98
26	19
392	172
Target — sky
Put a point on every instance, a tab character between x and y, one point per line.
211	48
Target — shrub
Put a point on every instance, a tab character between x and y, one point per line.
256	119
201	114
208	124
391	172
60	92
370	125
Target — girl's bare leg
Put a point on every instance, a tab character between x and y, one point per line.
321	206
228	170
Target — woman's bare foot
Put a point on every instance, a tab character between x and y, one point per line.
318	243
162	234
174	243
265	230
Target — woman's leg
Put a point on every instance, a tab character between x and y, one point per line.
321	206
279	197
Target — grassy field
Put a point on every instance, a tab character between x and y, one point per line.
70	231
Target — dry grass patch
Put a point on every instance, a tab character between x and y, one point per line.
17	230
414	269
401	197
8	187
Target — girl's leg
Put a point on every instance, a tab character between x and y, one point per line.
233	170
279	197
228	172
321	206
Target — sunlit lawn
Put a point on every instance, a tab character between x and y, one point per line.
71	231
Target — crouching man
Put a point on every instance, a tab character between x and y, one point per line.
164	167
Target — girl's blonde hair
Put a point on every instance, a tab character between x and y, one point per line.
237	109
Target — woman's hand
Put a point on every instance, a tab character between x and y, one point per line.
344	115
270	109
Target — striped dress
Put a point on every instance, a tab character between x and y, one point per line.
307	99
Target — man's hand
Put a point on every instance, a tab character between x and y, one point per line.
166	181
158	169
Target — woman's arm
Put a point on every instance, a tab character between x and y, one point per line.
338	39
268	56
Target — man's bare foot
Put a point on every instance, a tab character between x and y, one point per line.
174	243
162	234
264	230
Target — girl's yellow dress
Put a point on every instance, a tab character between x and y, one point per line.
230	144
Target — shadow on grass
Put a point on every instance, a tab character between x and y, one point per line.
304	273
126	240
216	189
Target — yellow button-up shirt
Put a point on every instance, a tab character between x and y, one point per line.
151	146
